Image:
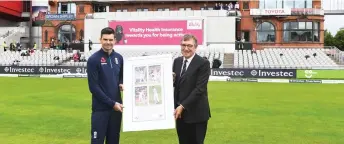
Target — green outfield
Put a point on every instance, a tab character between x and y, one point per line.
57	111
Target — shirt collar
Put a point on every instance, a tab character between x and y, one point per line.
107	54
190	58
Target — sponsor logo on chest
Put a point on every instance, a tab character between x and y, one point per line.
103	61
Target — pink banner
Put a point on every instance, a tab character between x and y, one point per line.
166	32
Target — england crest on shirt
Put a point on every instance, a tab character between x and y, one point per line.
116	61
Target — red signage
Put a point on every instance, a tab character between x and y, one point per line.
274	11
14	8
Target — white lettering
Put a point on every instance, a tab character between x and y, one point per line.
152	29
275	73
140	30
228	73
171	29
165	35
178	35
134	35
56	70
260	73
21	70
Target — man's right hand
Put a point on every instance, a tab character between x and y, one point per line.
118	107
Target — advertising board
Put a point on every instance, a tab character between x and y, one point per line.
157	32
320	74
229	72
61	17
304	81
42	70
254	73
242	80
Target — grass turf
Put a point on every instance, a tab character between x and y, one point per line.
57	111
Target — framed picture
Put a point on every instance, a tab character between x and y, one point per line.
148	93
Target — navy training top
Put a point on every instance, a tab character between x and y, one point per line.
104	74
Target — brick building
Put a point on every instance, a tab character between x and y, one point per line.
263	23
283	23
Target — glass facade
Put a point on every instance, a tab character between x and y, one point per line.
266	32
301	31
274	4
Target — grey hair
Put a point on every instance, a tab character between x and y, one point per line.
187	37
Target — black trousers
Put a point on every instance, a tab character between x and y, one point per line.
191	133
105	124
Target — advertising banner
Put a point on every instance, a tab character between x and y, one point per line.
242	80
28	75
320	74
304	81
254	73
61	17
31	70
38	15
268	12
159	32
229	72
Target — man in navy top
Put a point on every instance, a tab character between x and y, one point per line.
105	80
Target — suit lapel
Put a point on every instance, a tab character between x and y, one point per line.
190	68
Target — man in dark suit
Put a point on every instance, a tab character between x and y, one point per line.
191	75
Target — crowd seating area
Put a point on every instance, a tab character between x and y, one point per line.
127	54
11	34
38	58
283	58
46	58
6	30
267	58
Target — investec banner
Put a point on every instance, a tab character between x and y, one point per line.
156	32
320	74
254	73
41	70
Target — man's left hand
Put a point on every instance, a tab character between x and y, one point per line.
121	87
178	112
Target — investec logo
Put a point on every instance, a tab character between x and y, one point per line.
19	70
271	73
81	70
53	70
254	72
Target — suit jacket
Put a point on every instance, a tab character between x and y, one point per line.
191	90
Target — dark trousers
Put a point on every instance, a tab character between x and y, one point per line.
105	124
191	133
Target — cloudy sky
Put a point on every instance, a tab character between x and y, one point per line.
333	22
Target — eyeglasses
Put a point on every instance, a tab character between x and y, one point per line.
186	45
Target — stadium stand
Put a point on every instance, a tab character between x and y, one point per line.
46	58
210	55
38	58
288	58
11	33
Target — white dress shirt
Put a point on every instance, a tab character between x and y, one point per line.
188	63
